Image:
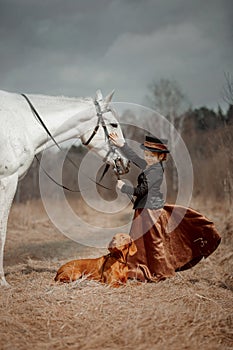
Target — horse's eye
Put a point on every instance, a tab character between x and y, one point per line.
114	125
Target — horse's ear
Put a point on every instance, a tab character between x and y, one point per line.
98	96
108	98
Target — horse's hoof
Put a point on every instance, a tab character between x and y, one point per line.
4	283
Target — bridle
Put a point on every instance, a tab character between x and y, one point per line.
112	149
99	121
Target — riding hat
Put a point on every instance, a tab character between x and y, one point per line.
153	144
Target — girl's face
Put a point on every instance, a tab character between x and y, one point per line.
151	157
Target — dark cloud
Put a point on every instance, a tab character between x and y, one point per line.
74	47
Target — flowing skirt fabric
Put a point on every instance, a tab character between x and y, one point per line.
170	239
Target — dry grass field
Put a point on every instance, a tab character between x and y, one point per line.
193	310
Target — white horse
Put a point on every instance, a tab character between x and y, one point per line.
22	136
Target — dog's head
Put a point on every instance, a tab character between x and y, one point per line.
122	242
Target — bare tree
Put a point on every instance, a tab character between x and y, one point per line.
167	97
228	89
228	97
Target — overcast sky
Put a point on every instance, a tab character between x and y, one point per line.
73	47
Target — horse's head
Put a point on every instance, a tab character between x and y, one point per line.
97	138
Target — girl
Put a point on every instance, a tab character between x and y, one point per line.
160	252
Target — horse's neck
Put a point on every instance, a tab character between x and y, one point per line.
65	117
62	112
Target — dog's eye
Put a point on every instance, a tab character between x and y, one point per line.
114	125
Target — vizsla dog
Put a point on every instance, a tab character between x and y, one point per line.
111	269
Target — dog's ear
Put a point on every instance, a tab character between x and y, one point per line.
132	248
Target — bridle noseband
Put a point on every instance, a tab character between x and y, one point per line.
112	148
99	121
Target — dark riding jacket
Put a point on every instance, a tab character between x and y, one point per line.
147	192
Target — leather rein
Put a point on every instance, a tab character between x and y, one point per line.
100	121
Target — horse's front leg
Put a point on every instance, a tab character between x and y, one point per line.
8	187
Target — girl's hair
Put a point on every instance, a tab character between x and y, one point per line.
158	154
164	157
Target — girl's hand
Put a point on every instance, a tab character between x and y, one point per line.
120	183
116	140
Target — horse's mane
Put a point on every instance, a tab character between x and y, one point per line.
44	101
61	98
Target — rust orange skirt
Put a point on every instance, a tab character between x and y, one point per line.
170	239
